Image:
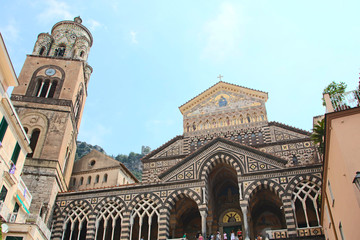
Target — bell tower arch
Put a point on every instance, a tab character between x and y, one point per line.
50	101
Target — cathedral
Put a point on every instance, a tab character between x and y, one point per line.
230	170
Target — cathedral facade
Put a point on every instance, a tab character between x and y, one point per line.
230	170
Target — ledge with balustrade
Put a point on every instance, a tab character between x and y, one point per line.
313	233
342	101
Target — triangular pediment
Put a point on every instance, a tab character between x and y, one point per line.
248	159
222	97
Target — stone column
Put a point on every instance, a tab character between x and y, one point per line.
246	231
91	227
203	214
164	223
125	226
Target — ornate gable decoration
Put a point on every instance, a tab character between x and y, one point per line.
242	158
223	97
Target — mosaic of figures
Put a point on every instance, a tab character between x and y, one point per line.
227	101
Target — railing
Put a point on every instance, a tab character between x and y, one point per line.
342	101
35	219
310	231
24	192
277	234
4	211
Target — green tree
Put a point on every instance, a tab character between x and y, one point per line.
318	136
334	88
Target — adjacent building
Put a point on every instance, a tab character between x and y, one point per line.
15	197
341	181
97	170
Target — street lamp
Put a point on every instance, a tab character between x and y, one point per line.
357	180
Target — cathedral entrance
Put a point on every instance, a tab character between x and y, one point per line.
224	212
230	221
266	212
185	218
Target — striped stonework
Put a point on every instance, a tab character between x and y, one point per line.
296	180
219	158
263	184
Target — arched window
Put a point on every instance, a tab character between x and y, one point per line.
45	88
33	141
89	180
105	178
97	178
248	118
60	51
52	89
305	204
145	218
74	182
253	138
108	222
81	181
78	103
42	50
67	156
76	224
82	54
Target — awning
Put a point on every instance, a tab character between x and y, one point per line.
22	203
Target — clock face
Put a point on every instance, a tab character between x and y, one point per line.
231	217
50	71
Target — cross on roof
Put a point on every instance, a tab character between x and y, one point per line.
219	77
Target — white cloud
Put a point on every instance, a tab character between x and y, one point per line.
93	24
221	35
10	32
55	10
133	37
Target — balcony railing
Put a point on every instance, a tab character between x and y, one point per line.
342	101
25	193
35	219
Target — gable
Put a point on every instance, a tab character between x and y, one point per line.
244	159
282	132
94	160
223	97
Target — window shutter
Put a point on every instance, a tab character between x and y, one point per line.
3	127
15	154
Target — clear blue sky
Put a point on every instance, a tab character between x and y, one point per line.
150	57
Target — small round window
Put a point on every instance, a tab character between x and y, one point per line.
92	163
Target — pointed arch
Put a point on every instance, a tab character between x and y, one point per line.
264	184
76	220
220	157
109	216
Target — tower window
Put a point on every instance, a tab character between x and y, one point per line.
60	51
82	54
46	88
33	141
97	178
42	50
105	178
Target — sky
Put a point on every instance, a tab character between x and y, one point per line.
150	57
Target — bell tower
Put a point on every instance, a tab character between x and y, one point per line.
50	100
